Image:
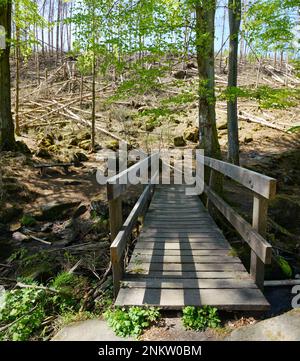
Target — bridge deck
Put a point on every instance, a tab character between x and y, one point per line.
182	258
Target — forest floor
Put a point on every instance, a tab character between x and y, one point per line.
58	221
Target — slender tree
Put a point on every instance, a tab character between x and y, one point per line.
205	30
7	138
205	34
234	11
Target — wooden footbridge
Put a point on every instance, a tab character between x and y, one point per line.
181	257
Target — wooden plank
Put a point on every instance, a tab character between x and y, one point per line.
180	222
258	183
183	252
206	227
181	234
146	258
190	274
142	268
175	245
257	243
179	205
232	299
172	215
174	205
187	283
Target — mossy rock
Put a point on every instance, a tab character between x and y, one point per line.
192	134
85	144
54	148
113	145
84	135
55	210
80	157
47	141
179	141
28	220
13	188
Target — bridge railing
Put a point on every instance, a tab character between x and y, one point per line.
263	189
119	231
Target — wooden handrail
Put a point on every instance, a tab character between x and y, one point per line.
263	188
259	183
257	243
115	190
118	246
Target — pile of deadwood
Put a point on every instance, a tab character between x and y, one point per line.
64	93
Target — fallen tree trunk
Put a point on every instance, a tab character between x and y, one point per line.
253	118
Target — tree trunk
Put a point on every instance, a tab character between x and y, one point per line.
205	14
208	137
7	137
222	41
94	78
58	19
234	11
17	82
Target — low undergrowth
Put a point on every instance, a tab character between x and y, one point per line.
131	322
198	319
32	311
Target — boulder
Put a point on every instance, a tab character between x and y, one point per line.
192	134
285	327
18	236
56	210
80	157
182	74
179	141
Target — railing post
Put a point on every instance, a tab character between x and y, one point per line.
259	223
117	270
115	216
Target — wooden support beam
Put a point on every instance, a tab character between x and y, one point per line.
261	248
259	223
115	216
